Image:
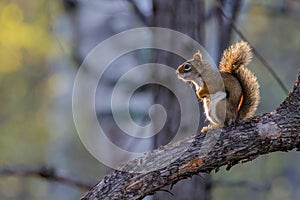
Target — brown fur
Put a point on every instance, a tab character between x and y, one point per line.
239	83
234	60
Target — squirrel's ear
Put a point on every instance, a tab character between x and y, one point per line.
197	56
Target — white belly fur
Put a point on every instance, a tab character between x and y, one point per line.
210	108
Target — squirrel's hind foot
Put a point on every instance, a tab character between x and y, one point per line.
209	127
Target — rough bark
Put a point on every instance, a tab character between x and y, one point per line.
248	139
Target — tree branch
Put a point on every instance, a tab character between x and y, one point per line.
48	173
263	134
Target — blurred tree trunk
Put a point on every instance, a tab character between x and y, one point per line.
231	9
186	17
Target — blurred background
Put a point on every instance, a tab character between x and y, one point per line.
43	43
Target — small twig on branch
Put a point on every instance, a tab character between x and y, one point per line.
247	140
48	173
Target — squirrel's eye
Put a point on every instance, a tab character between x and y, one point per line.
187	67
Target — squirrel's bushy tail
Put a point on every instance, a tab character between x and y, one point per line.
250	92
233	61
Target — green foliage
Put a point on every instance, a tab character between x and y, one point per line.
25	42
